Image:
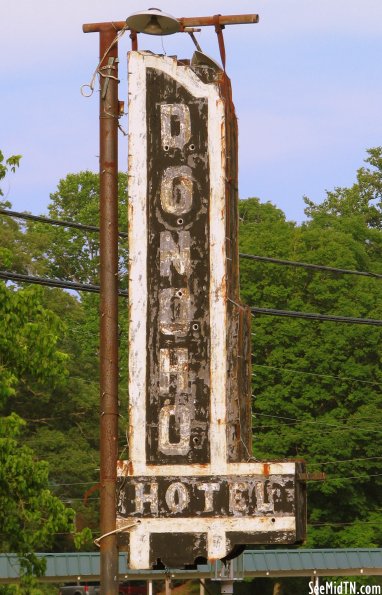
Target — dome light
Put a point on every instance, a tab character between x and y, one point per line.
153	22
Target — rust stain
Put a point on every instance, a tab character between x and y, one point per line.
266	469
120	466
89	492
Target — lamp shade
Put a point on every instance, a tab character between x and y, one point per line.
153	22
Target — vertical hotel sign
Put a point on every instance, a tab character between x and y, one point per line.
190	490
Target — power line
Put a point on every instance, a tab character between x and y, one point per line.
21	278
315	316
353	477
296	420
350	523
294	371
340	461
58	222
307	265
18	277
94	228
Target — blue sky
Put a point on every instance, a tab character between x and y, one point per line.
307	83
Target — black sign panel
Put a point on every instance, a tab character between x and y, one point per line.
240	496
177	405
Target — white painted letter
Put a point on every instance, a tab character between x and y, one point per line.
183	419
151	497
260	495
209	489
176	198
177	498
176	254
237	502
181	112
174	311
173	362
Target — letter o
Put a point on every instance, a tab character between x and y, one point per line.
181	491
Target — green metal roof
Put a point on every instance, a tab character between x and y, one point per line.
83	566
307	562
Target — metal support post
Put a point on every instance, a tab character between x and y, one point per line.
108	308
168	585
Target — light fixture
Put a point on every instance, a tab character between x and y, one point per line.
153	22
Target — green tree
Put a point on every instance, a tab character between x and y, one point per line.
73	254
69	438
6	165
316	385
30	515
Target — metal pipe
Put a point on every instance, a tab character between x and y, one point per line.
168	585
234	19
108	130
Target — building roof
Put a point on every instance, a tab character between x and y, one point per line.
85	566
308	562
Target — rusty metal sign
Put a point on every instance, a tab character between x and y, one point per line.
191	489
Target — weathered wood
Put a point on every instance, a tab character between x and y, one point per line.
191	489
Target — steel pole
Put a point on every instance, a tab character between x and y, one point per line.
233	19
108	129
168	586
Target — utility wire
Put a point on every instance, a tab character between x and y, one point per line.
315	316
18	277
356	521
307	265
122	234
296	420
21	278
294	371
59	222
341	461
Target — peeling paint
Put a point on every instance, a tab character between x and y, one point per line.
191	481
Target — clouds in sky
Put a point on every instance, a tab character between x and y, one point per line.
306	81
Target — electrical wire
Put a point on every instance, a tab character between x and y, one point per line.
18	277
296	420
279	261
352	477
306	265
350	523
315	316
340	461
41	219
339	419
294	371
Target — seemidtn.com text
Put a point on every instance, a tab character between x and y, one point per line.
343	588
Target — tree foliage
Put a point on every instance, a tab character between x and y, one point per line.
32	365
68	253
317	384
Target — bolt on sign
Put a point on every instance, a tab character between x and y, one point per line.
191	489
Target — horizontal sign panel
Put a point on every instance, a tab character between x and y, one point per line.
208	496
